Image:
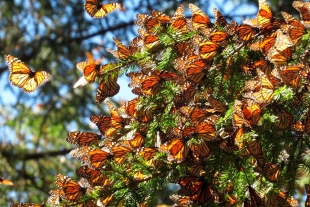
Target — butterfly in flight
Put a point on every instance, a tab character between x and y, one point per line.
5	181
99	10
23	77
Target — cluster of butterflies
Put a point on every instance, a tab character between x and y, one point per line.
196	47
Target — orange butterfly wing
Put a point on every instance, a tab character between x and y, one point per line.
199	18
83	138
246	32
106	89
102	122
72	191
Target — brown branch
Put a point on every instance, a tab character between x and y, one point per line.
37	156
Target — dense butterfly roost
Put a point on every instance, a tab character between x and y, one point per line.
222	109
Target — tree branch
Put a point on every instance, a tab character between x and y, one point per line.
37	156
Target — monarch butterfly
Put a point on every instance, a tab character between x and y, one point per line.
144	114
266	44
264	16
130	107
198	190
184	48
99	10
151	84
292	21
291	75
217	105
282	41
181	200
5	181
147	153
208	50
192	68
245	32
186	95
265	94
102	122
177	149
271	171
238	117
106	89
251	112
263	65
83	138
219	37
196	165
97	158
280	57
231	28
178	20
72	191
201	150
117	121
307	188
255	149
136	142
122	52
150	41
284	121
199	18
27	205
295	28
94	177
120	153
219	18
295	33
256	200
150	21
197	115
281	53
91	70
303	9
136	44
205	131
23	77
228	145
